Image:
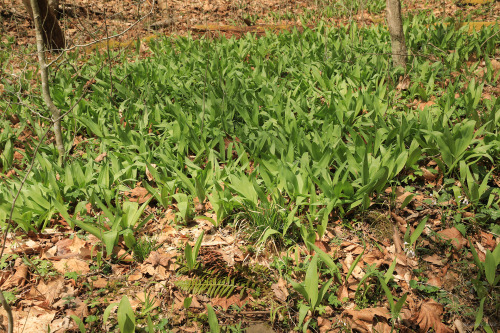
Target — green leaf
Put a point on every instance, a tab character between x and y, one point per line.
490	267
107	312
151	328
312	280
197	245
187	302
399	305
407	200
302	313
475	256
418	231
79	323
212	320
387	292
388	274
110	239
299	287
126	317
479	313
188	253
206	218
322	292
496	254
129	238
327	259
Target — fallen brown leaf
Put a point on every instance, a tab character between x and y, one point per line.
72	265
280	289
365	320
139	194
429	316
226	302
434	259
101	157
18	279
457	240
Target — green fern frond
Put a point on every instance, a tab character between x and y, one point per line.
213	286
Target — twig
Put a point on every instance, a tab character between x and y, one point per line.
487	39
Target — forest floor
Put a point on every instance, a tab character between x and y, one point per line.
54	274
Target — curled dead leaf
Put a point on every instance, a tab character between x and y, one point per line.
18	279
429	316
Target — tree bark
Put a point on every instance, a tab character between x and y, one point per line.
56	113
53	36
395	24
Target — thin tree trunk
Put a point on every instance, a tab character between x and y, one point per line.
10	318
395	24
56	113
53	36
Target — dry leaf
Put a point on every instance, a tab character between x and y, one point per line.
155	258
429	317
50	291
434	259
429	176
401	194
342	293
135	277
139	194
280	289
100	283
18	279
423	105
72	265
398	243
457	240
31	320
259	328
364	320
226	302
404	83
101	157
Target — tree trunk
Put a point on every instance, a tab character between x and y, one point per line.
53	36
395	24
56	113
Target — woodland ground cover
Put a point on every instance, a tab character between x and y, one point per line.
304	158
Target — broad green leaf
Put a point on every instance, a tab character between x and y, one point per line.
490	267
109	238
126	316
188	253
212	320
418	231
197	245
302	313
312	280
479	313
